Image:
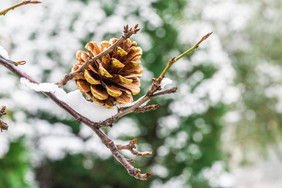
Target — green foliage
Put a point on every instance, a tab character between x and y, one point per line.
256	67
74	171
14	166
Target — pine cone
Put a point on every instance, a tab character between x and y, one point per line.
114	77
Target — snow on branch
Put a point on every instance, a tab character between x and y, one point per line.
3	52
75	100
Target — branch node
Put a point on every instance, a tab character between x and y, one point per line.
130	160
109	143
144	176
132	148
171	61
79	119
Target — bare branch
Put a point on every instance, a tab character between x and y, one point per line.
135	172
4	12
165	92
146	108
127	32
132	148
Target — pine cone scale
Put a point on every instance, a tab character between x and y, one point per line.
91	77
99	92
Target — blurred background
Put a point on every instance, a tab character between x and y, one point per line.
221	129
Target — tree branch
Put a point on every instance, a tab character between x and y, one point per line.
132	148
4	12
165	92
127	32
146	108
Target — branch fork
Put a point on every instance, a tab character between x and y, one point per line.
132	148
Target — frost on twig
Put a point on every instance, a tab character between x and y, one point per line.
3	125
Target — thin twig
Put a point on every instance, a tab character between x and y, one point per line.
165	92
20	63
146	108
127	32
4	12
156	85
132	148
2	111
174	59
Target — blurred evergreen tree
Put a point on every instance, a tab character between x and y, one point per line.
15	165
183	152
257	62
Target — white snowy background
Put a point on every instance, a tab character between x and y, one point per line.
30	32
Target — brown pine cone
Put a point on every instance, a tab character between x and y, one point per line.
114	77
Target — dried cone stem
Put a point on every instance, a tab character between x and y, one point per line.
115	77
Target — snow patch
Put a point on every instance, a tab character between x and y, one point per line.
3	52
165	82
74	99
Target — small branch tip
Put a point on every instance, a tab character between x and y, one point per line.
20	63
4	12
134	141
3	125
207	35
